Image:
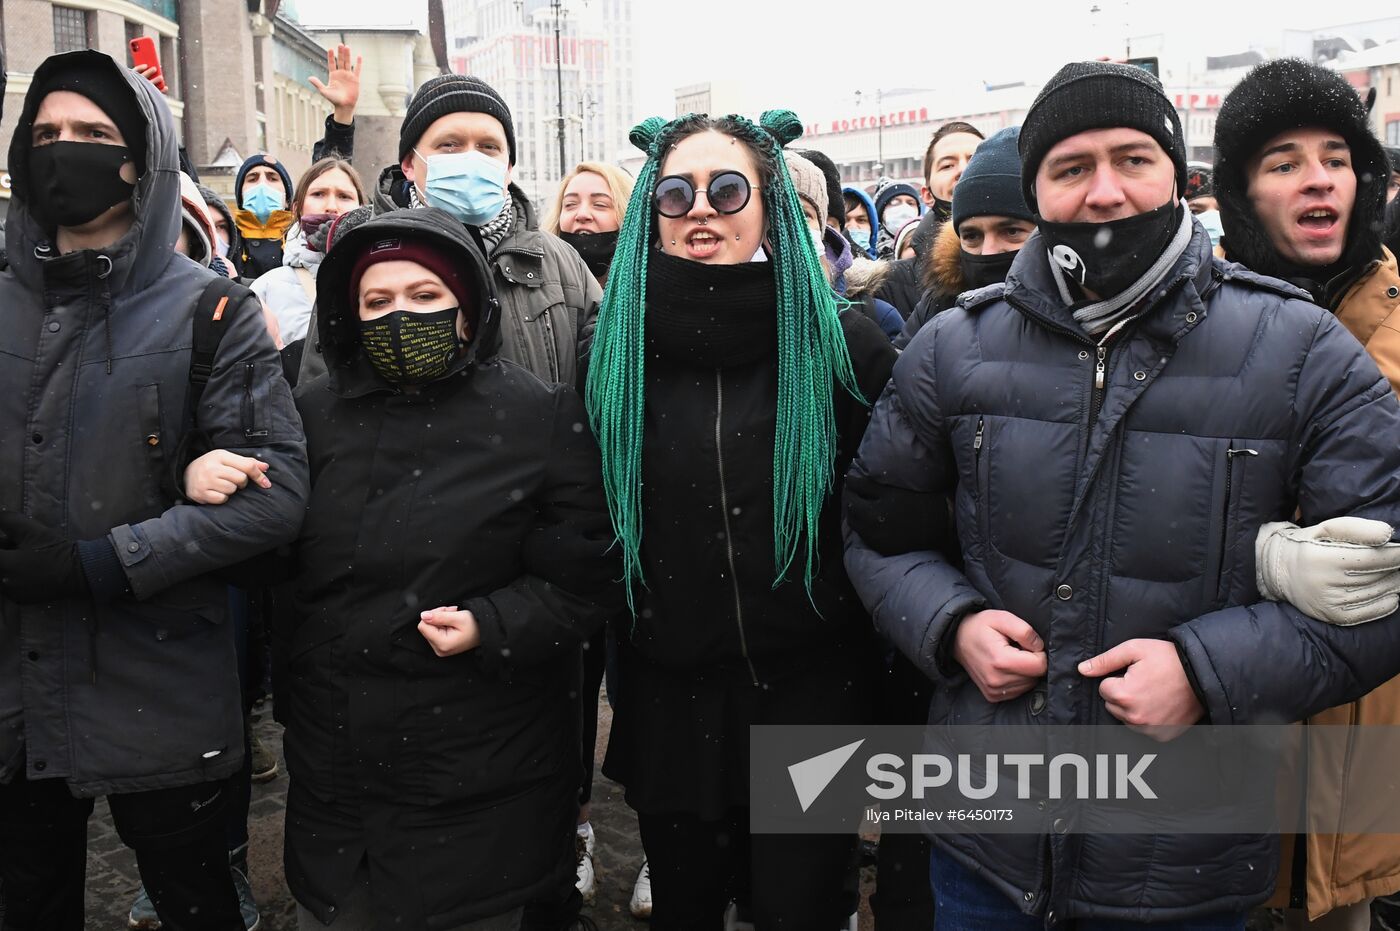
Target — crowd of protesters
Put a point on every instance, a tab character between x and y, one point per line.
1073	432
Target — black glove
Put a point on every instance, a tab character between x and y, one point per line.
36	564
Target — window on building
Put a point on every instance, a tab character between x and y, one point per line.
70	31
1392	132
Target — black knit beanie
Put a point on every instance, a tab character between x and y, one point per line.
1289	93
990	185
1200	182
1086	95
452	93
835	203
93	79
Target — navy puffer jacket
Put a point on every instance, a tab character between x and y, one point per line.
1100	516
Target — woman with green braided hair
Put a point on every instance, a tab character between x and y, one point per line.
728	393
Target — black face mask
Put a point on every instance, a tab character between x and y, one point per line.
982	270
1106	258
943	209
75	182
596	249
409	349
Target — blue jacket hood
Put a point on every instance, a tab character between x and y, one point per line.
869	212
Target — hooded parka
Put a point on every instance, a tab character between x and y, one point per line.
1103	515
456	777
140	692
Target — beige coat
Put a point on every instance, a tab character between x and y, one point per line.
1348	868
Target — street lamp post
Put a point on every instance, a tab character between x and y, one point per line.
558	6
879	128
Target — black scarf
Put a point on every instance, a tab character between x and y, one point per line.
711	315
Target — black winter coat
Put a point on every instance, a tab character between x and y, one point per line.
715	647
1102	516
456	776
141	692
901	286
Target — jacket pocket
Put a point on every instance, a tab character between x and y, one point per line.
1225	520
185	610
980	464
157	483
254	404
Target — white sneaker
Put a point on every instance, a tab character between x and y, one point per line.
586	882
731	919
641	893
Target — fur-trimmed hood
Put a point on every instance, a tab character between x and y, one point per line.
865	277
941	271
1280	95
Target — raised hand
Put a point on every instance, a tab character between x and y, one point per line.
342	84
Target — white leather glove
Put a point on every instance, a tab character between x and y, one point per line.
1343	571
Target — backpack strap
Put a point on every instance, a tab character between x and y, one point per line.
212	315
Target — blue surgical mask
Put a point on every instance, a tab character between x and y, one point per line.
861	238
469	185
262	199
1210	219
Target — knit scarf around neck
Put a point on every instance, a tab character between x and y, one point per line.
711	315
1098	317
493	232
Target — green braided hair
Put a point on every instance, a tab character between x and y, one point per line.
812	351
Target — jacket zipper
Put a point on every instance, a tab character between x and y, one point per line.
1230	455
250	430
1101	371
728	535
552	356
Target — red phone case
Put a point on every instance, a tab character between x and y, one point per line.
143	55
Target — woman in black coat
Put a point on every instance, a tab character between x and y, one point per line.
453	559
729	395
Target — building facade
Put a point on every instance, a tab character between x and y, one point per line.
396	60
237	77
586	94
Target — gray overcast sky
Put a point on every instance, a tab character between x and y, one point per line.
811	56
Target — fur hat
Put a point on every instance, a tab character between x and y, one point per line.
1289	93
